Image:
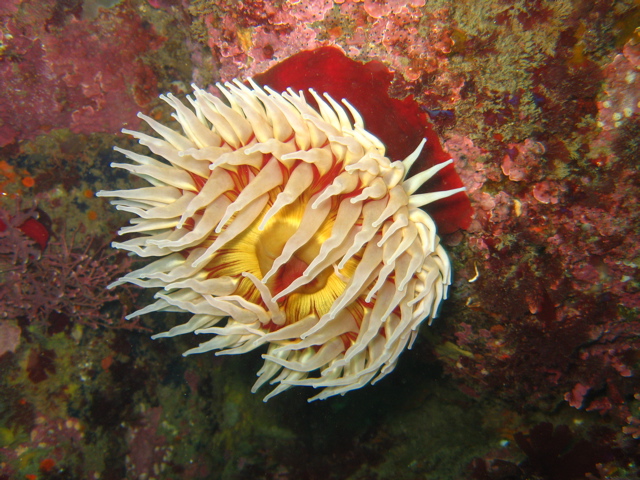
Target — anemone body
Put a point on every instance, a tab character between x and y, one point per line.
279	224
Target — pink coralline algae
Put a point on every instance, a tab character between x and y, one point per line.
249	37
547	192
572	271
414	43
554	248
57	285
556	293
88	80
378	9
518	163
468	159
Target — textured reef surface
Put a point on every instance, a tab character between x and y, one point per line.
530	370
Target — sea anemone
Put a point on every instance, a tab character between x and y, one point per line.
279	222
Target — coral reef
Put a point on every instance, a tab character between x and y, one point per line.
533	363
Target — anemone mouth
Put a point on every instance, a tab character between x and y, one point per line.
284	224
